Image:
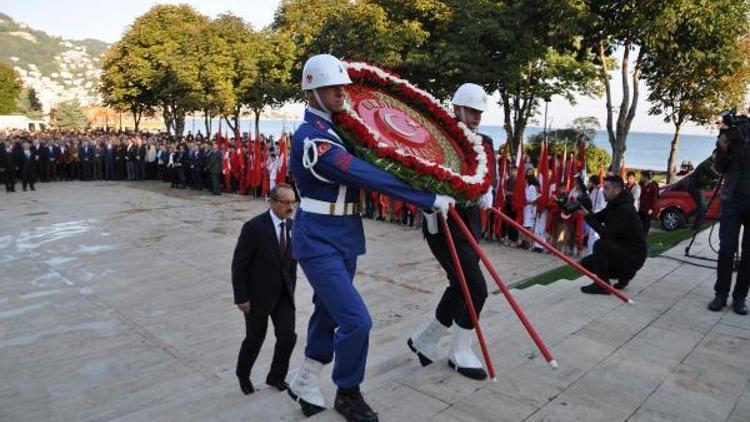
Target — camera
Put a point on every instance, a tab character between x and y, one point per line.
571	206
737	126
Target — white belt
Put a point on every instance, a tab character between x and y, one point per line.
329	208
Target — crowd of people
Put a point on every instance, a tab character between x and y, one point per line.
253	167
218	164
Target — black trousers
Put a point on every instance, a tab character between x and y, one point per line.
452	306
645	221
610	260
256	325
216	182
735	216
28	178
9	177
507	230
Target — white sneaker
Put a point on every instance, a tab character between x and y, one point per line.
424	343
304	388
462	358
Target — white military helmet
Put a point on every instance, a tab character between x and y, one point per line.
323	70
472	96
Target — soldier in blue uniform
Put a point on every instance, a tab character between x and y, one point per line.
328	237
469	101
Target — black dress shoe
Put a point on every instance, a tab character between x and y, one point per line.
246	386
352	406
623	282
280	385
594	289
717	304
739	307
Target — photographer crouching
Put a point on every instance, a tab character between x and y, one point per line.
733	160
621	249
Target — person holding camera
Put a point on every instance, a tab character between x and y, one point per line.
733	160
621	249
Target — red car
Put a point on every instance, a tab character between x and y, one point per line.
674	203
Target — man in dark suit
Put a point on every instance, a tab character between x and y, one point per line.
28	166
214	168
264	276
85	154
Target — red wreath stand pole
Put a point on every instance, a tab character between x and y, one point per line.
467	297
506	292
562	256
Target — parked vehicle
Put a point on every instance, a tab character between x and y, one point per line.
674	203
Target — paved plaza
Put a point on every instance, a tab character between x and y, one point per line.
116	304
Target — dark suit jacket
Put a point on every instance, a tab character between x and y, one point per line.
214	162
259	273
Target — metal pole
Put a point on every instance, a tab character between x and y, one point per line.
506	292
565	258
467	297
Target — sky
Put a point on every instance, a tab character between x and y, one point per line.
79	19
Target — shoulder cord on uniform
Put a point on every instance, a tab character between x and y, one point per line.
309	162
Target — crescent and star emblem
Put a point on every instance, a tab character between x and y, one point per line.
388	117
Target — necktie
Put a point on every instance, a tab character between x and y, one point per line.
282	240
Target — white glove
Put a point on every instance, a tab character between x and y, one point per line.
442	204
485	202
431	219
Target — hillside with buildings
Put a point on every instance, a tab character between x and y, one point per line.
57	69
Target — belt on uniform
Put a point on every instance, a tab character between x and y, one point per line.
329	208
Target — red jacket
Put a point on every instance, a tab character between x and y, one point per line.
649	193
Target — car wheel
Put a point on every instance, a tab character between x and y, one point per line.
672	219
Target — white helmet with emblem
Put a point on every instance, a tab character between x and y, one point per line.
323	70
472	96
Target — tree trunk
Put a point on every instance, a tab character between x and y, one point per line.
136	119
507	123
207	122
257	122
167	116
608	92
236	126
179	122
673	151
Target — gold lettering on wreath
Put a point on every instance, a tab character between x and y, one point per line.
452	160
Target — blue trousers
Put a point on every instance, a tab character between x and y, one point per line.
340	324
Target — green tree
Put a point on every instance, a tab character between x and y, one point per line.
687	62
28	104
10	86
154	65
526	50
68	115
359	30
273	85
214	74
621	25
242	47
127	81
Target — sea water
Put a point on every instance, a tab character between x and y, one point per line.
645	150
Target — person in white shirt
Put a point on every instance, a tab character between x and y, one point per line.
634	188
529	210
596	195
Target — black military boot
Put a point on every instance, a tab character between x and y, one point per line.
739	306
623	282
352	406
594	289
717	304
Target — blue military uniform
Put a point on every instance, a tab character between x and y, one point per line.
328	236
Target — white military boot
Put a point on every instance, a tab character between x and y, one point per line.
304	387
462	358
424	343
